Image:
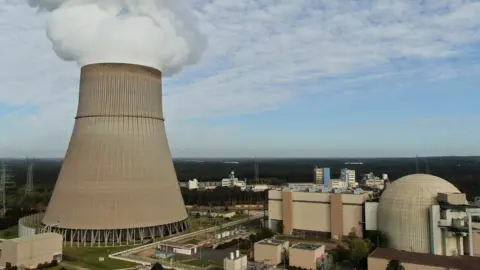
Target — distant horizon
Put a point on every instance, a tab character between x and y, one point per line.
265	157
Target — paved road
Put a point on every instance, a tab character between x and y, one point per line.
120	255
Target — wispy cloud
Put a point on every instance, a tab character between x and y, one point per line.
262	54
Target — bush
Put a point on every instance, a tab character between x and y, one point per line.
157	266
43	265
53	263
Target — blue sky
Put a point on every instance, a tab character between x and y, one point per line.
278	79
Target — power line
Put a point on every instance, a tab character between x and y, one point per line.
4	180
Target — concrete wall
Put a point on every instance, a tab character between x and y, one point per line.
31	251
311	216
239	263
275	204
287	212
380	264
371	216
317	212
305	258
352	219
336	216
272	253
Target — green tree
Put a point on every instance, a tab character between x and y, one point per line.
378	238
359	249
395	265
352	248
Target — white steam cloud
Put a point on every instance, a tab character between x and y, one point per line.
157	33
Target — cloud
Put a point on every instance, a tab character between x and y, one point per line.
262	55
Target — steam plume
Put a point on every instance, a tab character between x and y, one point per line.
156	33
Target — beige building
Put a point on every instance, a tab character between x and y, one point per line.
270	251
318	172
235	261
316	213
380	257
306	255
30	251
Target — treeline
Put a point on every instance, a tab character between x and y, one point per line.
223	196
463	172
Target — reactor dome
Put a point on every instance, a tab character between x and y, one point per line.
403	210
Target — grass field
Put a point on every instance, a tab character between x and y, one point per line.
205	222
88	257
9	233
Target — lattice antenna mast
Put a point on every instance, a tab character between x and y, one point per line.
29	183
427	167
4	180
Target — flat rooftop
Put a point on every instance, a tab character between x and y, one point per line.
271	242
35	237
307	246
177	245
424	259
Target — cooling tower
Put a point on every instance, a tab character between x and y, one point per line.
117	182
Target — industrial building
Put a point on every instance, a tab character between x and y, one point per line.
348	176
192	184
233	181
29	251
419	213
372	181
236	261
321	176
425	214
117	182
321	213
380	258
270	252
169	249
306	255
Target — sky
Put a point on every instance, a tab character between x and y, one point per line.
279	78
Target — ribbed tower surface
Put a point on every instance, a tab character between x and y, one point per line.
117	176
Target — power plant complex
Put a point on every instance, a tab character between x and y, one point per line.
117	182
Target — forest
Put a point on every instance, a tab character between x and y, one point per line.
463	172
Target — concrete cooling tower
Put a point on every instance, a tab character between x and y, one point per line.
117	182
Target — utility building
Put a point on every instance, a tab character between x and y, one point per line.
306	255
236	261
30	251
270	251
316	213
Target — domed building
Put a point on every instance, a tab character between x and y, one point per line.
404	211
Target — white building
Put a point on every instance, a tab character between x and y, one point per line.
348	176
259	188
235	261
233	181
370	180
192	184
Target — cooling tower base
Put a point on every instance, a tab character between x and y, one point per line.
118	237
32	224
